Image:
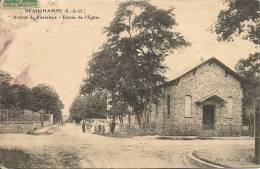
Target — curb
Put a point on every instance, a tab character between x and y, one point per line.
203	162
201	138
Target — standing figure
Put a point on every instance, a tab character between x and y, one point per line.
83	126
113	125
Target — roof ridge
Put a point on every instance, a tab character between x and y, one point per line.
213	58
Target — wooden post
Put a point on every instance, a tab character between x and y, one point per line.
257	131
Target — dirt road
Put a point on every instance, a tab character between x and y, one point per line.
77	149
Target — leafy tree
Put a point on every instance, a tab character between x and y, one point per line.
56	110
23	96
46	98
40	97
130	64
241	18
93	106
117	109
5	78
7	99
76	109
249	68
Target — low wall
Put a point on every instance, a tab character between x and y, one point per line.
21	127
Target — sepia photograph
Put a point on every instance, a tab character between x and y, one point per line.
129	84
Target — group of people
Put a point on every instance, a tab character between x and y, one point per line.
111	126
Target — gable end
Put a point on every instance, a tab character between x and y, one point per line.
228	71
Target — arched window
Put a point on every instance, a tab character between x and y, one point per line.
188	106
229	106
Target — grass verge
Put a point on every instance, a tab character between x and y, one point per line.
15	158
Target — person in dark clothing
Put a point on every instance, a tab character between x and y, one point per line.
113	125
83	126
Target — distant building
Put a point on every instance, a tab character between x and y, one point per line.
65	118
205	100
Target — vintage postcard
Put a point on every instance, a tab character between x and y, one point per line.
129	84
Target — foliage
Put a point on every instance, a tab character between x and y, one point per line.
119	108
46	98
249	68
92	106
7	99
241	18
25	159
5	78
23	96
13	96
39	98
130	63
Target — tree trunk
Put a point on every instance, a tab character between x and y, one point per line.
138	119
129	118
148	109
146	115
120	118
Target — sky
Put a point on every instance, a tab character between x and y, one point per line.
57	52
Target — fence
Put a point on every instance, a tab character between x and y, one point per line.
193	129
22	116
17	121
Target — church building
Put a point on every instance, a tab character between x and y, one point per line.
206	100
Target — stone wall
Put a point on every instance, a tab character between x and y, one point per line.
19	127
208	79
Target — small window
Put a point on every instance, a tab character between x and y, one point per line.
188	106
229	106
168	102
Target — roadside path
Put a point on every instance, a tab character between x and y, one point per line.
101	151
